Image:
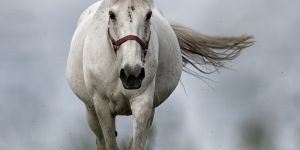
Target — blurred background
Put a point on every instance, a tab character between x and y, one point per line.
255	105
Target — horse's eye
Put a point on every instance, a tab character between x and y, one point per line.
148	16
112	15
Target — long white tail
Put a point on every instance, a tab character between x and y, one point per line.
199	49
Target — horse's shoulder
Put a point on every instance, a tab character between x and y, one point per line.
89	11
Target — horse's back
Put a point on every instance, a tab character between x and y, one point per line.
169	58
75	73
88	12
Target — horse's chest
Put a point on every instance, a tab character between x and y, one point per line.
111	90
119	105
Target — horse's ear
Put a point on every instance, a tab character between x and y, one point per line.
113	1
149	1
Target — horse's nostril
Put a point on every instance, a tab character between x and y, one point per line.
123	75
142	74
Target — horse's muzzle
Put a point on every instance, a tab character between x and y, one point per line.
132	77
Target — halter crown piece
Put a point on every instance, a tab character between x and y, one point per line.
116	44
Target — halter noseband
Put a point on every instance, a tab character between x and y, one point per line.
117	44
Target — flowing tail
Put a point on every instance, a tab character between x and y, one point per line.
202	50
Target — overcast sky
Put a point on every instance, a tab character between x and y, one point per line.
257	101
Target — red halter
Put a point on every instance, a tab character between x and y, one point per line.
116	44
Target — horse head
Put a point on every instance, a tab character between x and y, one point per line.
129	33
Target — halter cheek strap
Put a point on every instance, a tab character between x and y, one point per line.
118	43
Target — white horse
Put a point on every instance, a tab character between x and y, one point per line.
126	59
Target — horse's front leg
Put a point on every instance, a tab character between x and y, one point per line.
93	122
107	122
142	114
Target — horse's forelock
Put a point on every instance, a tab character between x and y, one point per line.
151	2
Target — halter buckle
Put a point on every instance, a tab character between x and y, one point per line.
115	47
